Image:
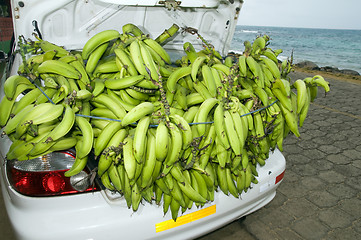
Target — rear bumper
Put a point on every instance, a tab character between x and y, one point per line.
96	216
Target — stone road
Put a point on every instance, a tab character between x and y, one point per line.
320	196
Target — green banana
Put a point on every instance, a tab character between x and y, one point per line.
94	57
183	125
301	94
162	141
132	29
123	83
272	66
125	59
150	161
176	76
196	65
110	103
168	33
203	113
12	83
233	137
137	113
194	99
320	81
77	166
35	112
209	80
137	59
113	146
130	162
140	138
86	144
106	134
242	65
97	40
222	179
190	51
48	46
176	146
60	68
158	49
59	131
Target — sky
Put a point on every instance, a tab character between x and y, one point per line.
333	14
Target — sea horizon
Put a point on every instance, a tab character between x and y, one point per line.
320	28
337	48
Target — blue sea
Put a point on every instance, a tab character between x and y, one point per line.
325	47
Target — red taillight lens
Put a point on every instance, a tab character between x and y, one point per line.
53	182
280	177
44	176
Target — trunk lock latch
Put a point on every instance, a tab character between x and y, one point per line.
171	4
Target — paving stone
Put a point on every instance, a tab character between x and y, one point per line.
322	123
338	159
313	183
351	206
351	133
293	149
358	148
331	176
304	137
348	170
343	233
355	123
308	144
357	163
308	124
345	145
290	140
334	120
329	149
322	164
298	207
357	225
305	170
322	199
317	133
229	232
290	175
335	218
313	153
293	189
354	182
310	228
278	201
261	231
286	233
276	217
341	190
336	138
353	154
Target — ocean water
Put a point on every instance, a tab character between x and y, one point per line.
325	47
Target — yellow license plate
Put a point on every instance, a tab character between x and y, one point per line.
190	217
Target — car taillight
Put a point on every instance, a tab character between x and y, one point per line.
44	176
280	177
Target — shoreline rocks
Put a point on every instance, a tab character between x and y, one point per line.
313	66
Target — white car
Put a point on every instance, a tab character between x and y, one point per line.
44	204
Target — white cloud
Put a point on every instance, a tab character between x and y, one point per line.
307	13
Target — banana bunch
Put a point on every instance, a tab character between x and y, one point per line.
163	131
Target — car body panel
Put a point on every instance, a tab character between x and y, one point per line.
102	214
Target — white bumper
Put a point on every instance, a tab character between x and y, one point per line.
95	216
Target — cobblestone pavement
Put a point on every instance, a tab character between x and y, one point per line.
320	195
